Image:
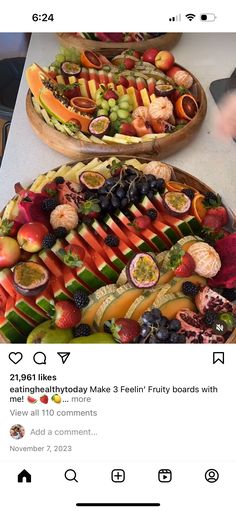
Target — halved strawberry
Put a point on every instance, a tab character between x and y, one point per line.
141	222
90	208
72	255
67	314
124	330
181	262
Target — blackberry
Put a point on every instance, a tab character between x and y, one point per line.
49	204
151	213
82	330
81	299
189	192
49	240
59	180
210	196
112	241
190	289
210	317
60	232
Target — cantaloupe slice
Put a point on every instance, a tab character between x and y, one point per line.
177	282
170	304
95	300
142	304
116	305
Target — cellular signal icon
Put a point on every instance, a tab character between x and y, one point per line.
175	18
190	17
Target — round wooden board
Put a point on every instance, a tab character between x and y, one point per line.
181	176
110	49
157	149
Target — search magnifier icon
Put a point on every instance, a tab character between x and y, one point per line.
70	475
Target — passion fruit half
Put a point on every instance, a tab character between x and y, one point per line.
142	271
70	69
177	203
164	90
92	180
90	59
30	278
99	126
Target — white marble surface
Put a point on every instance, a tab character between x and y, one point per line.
208	56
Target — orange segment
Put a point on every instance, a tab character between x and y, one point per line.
198	209
175	186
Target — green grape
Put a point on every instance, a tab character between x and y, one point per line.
99	102
60	58
123	114
124	98
102	111
111	102
105	104
113	116
115	108
67	53
124	105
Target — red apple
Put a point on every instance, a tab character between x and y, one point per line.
9	252
30	236
172	71
150	55
164	60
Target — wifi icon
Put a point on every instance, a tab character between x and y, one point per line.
190	17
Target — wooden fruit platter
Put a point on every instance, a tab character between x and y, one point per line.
126	105
118	250
110	48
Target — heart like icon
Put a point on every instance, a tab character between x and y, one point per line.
15	357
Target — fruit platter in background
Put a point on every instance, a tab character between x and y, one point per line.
113	43
142	103
117	251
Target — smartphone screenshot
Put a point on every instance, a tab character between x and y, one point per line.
117	257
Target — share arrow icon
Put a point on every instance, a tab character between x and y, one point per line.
64	355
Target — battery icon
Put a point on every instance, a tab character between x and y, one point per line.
208	16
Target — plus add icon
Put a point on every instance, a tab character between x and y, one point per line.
118	475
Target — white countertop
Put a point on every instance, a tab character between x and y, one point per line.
208	56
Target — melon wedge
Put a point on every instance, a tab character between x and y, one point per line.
141	304
54	107
34	76
177	282
116	305
95	301
170	304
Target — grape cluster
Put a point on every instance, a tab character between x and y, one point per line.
157	329
128	187
66	54
119	108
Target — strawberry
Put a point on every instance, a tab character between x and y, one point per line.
129	63
9	227
124	330
50	189
212	221
127	129
186	267
44	399
72	255
67	314
31	400
90	208
181	262
220	213
141	222
110	94
214	206
123	81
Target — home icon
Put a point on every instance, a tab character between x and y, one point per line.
24	477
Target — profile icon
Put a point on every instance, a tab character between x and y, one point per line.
17	431
211	475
